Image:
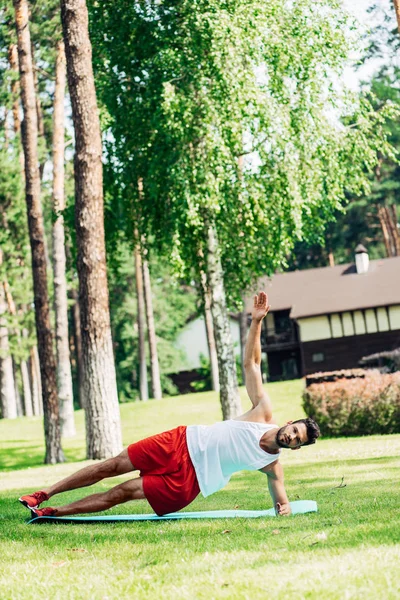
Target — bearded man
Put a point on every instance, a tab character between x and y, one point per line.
177	465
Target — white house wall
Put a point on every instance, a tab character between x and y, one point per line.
347	324
193	341
314	328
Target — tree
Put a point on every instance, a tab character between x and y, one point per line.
141	320
36	233
100	390
371	219
8	401
151	331
189	89
64	377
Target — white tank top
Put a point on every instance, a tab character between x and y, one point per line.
217	451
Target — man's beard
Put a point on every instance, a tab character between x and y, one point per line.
280	443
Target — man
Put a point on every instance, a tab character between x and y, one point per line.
177	465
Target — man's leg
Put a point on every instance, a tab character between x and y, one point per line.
129	490
112	467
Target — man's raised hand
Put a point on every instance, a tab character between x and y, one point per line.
261	307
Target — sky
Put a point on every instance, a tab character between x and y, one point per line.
359	8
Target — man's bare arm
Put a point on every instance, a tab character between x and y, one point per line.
276	488
252	355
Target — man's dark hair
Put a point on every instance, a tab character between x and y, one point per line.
313	431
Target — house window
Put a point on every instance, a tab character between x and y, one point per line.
318	357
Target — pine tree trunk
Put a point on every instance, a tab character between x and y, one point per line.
8	401
382	221
212	351
103	428
26	388
151	330
18	399
64	377
396	232
39	113
397	9
229	393
76	317
36	234
15	91
35	384
143	385
24	366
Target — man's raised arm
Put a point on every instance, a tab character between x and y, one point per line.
252	355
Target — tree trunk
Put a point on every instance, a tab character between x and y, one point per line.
64	377
382	221
26	388
397	9
35	383
39	113
76	317
396	232
143	385
212	351
243	339
18	399
36	234
8	399
103	428
154	365
15	91
24	367
229	393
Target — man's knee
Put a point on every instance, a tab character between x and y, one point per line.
109	467
118	495
129	490
118	465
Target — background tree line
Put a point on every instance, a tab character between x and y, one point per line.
224	154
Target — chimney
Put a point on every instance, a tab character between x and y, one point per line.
362	259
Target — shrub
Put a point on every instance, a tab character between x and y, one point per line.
359	406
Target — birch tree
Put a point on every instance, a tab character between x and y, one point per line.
190	89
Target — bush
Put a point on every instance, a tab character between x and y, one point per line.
359	406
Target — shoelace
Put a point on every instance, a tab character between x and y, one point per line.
40	497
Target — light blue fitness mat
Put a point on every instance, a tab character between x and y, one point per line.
298	507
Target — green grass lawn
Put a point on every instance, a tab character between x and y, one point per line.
349	549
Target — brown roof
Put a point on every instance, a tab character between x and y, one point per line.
333	289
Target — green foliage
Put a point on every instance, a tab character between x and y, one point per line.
187	90
172	303
360	223
15	267
205	381
349	407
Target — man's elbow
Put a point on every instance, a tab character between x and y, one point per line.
251	365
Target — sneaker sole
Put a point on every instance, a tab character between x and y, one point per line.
24	502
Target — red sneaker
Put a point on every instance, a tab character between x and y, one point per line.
33	500
44	512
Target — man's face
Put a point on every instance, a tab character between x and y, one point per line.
292	435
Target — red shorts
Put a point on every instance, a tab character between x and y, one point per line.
169	478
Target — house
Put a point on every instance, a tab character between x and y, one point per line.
328	318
